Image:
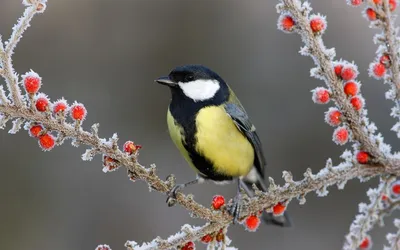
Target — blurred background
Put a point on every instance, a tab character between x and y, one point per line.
106	54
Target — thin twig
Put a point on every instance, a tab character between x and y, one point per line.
394	239
391	45
8	70
369	215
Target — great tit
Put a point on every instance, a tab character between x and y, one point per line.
212	130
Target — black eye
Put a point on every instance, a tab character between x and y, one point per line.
189	78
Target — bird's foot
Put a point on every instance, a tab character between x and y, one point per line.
236	209
171	200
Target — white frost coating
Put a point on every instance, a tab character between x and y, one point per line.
3	98
3	121
316	72
130	244
17	123
89	154
200	90
391	94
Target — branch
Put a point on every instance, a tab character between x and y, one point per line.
34	6
355	117
379	13
42	118
319	182
369	214
394	239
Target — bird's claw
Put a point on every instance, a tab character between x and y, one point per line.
235	209
171	200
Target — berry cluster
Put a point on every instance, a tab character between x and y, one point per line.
374	5
251	222
59	110
214	238
345	72
110	164
41	103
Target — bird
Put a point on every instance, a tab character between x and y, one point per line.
213	132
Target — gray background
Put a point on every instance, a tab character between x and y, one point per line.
107	53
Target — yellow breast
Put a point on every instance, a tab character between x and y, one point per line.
221	142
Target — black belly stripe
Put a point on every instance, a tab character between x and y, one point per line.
184	111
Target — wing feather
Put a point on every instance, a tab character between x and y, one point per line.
236	111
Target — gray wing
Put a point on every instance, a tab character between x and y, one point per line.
242	121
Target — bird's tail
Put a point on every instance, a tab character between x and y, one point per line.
247	183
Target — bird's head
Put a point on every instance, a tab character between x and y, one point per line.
196	82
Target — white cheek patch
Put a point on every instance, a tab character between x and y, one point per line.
200	90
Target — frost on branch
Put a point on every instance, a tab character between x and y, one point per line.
394	239
386	65
369	215
51	123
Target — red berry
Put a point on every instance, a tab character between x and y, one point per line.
365	243
341	135
349	72
278	209
317	24
286	23
362	157
103	247
252	223
42	103
321	95
350	88
188	246
384	197
395	188
333	117
371	14
109	164
130	147
377	70
220	236
377	2
206	238
356	2
32	82
78	111
60	106
35	130
47	142
218	201
338	69
392	5
385	60
357	102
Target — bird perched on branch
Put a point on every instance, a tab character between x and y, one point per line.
212	130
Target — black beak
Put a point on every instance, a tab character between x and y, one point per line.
164	80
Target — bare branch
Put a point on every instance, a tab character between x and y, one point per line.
394	239
22	24
5	55
369	215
